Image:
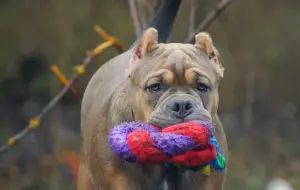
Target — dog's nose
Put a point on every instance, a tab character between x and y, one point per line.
182	108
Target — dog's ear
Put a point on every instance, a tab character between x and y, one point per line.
147	44
204	42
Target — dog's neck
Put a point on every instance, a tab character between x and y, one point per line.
131	99
123	109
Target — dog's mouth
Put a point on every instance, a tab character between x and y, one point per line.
178	109
163	121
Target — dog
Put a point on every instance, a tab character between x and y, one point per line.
158	83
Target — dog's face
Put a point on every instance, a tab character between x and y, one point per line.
174	83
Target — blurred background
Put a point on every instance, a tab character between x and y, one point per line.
259	95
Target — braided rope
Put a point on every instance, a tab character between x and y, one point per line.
186	145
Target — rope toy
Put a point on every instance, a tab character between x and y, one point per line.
189	145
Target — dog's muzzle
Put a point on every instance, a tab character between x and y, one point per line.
178	109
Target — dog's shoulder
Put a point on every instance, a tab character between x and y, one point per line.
103	83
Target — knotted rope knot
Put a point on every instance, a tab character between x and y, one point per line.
189	145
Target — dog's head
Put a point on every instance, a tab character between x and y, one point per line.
173	83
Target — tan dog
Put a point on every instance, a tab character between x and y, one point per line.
163	84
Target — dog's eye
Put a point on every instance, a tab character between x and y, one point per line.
203	87
155	87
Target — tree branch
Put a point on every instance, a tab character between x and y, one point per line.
141	11
192	16
34	122
208	19
134	17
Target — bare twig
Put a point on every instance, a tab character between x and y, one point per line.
150	6
141	12
192	16
134	16
155	4
209	19
78	71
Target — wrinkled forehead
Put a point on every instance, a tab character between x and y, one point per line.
179	58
